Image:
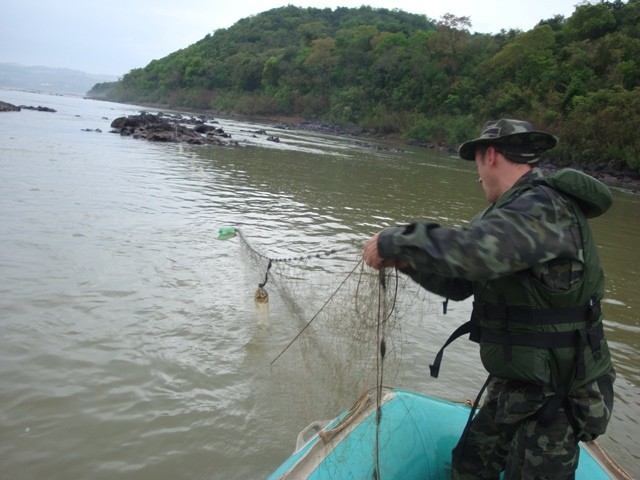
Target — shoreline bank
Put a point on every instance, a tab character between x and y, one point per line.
614	176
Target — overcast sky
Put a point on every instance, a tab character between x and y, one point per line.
115	36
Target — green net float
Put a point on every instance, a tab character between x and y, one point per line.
226	232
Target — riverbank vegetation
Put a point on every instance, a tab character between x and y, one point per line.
388	71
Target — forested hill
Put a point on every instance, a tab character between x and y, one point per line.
432	81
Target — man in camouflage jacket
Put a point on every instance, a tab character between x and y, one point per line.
531	263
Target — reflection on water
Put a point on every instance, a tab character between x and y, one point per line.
131	344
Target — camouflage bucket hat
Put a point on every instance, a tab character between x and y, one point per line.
516	139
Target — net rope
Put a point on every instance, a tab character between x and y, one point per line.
348	342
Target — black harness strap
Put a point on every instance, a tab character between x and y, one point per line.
458	451
591	336
538	316
577	339
549	411
463	329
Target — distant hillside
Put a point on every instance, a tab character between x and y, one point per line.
47	79
388	71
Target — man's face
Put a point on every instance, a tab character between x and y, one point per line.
486	174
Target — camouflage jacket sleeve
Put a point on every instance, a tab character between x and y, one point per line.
452	288
525	228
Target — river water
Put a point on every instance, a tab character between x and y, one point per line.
130	344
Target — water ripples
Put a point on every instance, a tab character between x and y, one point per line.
131	346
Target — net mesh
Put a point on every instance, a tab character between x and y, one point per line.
345	337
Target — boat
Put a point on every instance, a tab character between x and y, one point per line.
412	440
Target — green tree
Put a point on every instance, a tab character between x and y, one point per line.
590	22
526	59
392	71
603	128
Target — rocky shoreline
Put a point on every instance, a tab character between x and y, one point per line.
614	176
175	128
621	178
8	107
199	129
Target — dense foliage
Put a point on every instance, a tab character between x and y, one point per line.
433	81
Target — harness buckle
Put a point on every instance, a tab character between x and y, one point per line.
593	311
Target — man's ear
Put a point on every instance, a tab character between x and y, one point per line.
492	156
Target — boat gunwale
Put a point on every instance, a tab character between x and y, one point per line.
305	460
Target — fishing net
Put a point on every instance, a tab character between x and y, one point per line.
342	318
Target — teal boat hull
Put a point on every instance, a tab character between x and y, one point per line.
415	437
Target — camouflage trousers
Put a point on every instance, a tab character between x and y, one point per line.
506	436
